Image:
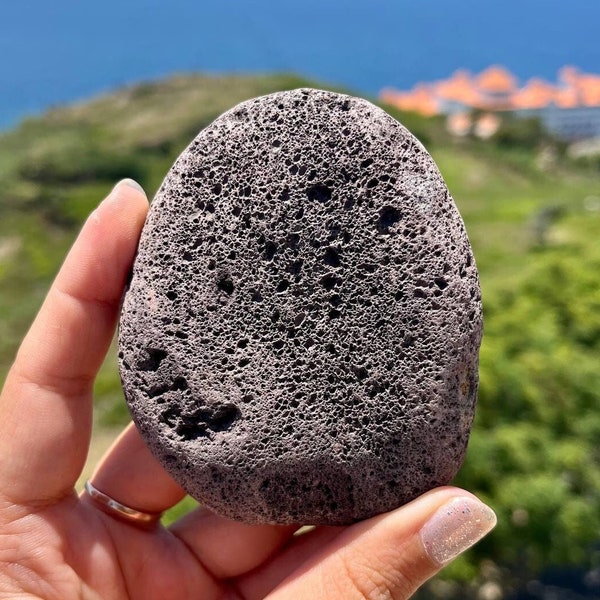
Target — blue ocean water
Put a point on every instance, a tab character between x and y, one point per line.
55	52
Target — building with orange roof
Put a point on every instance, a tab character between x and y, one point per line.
589	89
497	80
460	87
569	108
566	97
496	85
536	93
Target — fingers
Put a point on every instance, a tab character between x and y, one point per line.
228	548
130	474
258	583
46	407
388	556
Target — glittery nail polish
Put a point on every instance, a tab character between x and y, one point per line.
456	526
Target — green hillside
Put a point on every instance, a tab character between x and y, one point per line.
533	219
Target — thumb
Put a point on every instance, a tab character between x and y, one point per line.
391	555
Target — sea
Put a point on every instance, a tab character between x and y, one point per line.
58	52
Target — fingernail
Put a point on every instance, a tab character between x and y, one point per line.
131	183
456	526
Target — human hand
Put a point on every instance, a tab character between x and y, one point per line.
57	545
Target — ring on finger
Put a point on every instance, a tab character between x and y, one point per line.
114	508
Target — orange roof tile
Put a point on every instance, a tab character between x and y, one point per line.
459	88
537	93
566	97
497	79
419	99
588	87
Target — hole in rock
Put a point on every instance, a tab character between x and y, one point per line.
360	372
158	390
331	258
180	383
388	216
153	360
169	417
283	285
329	281
366	163
205	420
225	284
319	192
296	267
299	318
335	300
270	250
292	240
368	267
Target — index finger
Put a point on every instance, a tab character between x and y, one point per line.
46	403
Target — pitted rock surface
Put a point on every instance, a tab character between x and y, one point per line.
299	342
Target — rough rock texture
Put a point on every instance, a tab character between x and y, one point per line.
299	341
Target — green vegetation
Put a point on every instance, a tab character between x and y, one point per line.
534	453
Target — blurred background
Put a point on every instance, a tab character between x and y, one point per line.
506	97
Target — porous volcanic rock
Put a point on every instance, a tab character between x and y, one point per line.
299	341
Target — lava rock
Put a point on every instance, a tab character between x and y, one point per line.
299	341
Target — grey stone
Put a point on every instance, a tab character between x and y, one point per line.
299	341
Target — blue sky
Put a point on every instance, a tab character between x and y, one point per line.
57	52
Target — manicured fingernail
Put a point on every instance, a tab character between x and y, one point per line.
456	526
131	183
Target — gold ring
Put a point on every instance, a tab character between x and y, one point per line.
116	509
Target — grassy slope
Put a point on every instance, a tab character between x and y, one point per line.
542	307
